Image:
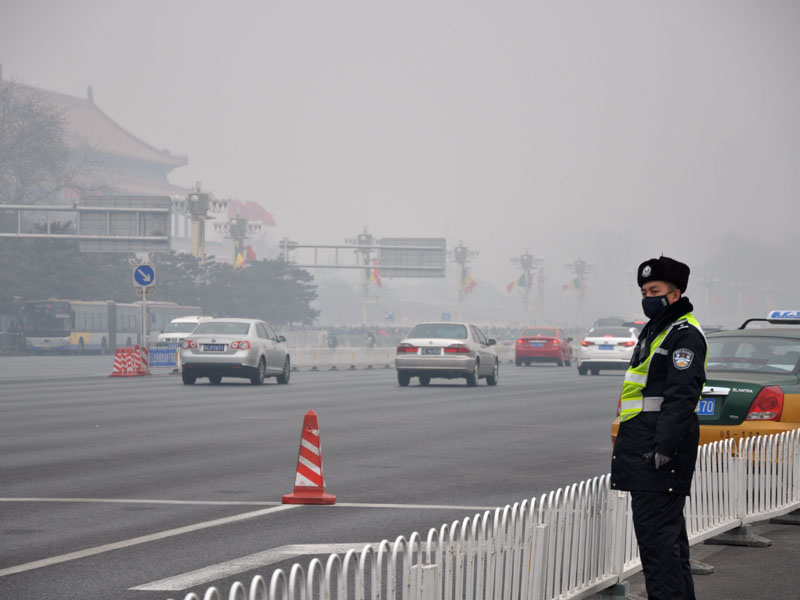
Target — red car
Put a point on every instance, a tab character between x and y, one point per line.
543	344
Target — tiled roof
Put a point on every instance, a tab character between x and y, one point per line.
87	124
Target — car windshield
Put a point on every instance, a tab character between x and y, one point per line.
757	354
539	333
181	327
439	330
622	332
223	327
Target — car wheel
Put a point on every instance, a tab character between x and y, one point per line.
528	363
403	378
582	370
215	379
283	378
188	379
518	362
595	371
424	380
472	378
495	376
258	378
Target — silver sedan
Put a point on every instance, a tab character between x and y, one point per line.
244	348
447	350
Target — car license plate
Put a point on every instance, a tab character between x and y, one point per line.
431	351
214	347
706	406
605	347
537	344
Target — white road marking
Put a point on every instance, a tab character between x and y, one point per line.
243	564
145	501
141	540
275	507
246	503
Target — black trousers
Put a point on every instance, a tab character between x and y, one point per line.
663	544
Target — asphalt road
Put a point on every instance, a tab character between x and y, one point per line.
114	484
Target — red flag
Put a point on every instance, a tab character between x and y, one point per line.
256	212
249	253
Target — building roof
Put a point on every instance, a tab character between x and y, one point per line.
86	124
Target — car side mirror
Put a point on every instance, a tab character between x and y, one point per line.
492	341
281	338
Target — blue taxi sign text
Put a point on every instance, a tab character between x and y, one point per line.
144	275
784	315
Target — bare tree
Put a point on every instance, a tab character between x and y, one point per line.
35	160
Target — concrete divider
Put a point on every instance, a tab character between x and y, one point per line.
341	359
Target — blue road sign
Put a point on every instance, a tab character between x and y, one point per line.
445	316
144	275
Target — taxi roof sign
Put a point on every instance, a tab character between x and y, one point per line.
784	317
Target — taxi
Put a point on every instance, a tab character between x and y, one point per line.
753	380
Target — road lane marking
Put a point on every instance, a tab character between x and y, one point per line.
54	560
246	503
243	564
145	501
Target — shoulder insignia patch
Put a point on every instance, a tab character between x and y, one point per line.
682	359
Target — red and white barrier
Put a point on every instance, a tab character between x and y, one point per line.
130	362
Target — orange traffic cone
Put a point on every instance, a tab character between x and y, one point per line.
309	484
120	365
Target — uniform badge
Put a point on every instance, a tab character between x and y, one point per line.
646	271
682	358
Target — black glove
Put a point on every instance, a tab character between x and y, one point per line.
659	460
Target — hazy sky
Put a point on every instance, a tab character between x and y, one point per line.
609	130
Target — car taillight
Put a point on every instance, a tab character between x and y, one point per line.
243	345
627	344
587	343
457	349
186	344
767	406
555	341
520	341
406	349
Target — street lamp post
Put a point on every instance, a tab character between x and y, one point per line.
461	256
196	205
238	229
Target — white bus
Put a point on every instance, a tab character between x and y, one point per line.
79	326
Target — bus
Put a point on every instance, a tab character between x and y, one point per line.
80	326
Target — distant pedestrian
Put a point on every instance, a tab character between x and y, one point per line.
656	446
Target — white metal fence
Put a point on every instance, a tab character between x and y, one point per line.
568	544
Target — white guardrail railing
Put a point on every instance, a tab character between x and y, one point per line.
568	544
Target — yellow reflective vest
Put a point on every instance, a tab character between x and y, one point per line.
632	400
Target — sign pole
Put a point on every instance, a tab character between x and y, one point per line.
144	317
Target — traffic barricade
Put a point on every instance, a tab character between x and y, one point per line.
164	357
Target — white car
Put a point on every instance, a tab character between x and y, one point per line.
447	350
245	348
180	328
606	348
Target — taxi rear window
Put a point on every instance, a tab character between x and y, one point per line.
437	330
540	332
754	354
624	332
223	327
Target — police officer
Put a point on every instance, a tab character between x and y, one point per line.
656	447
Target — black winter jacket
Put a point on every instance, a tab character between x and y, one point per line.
673	431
